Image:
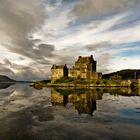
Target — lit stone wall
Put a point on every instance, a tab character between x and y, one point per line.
56	74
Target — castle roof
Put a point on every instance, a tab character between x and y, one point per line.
85	59
58	66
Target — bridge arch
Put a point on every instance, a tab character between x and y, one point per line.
134	84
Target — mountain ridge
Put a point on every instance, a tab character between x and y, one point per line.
124	74
4	78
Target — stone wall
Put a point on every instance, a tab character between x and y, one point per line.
58	71
72	73
56	74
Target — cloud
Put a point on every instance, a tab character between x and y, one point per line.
72	37
45	50
98	46
5	68
119	63
18	19
89	33
7	62
102	7
34	71
103	62
65	56
36	53
25	57
38	33
56	25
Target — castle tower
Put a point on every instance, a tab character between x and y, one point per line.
58	71
85	67
86	63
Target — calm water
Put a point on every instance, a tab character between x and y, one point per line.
68	114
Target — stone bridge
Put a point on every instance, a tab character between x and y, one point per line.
133	82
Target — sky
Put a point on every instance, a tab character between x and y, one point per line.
34	34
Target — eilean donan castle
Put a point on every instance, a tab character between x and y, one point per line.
85	67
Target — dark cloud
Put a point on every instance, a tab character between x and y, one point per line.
65	56
35	40
36	53
101	7
7	62
31	73
18	20
46	49
20	72
69	60
5	68
21	58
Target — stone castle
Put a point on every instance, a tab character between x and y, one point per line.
85	67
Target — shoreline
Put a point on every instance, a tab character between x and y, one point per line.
41	85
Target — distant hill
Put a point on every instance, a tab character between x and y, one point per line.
5	85
123	74
6	79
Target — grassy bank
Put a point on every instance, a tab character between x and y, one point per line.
72	82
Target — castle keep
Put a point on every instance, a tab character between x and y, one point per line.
85	67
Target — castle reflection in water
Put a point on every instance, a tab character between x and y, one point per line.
84	100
